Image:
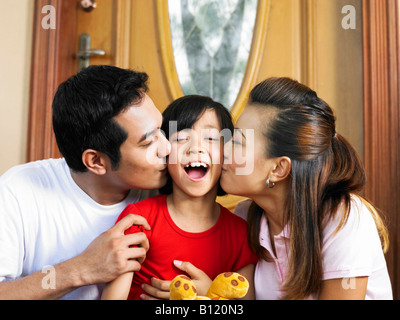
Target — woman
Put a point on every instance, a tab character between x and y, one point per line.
314	235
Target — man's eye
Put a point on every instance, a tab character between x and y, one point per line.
236	142
147	144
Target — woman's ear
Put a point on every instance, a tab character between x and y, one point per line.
282	169
94	161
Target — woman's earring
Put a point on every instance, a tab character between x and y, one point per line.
270	185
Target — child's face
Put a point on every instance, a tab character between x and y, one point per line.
196	156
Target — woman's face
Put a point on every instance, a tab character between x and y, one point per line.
246	166
195	161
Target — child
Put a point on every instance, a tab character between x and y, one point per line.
186	222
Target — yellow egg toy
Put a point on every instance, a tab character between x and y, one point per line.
182	288
228	285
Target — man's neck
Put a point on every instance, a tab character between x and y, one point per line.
98	189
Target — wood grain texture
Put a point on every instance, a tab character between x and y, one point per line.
51	64
382	119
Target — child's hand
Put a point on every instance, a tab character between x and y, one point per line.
159	289
199	277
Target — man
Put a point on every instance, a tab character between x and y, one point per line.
57	233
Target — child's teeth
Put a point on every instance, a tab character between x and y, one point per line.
196	164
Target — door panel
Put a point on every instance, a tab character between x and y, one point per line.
99	23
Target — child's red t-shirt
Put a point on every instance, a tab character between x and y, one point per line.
222	248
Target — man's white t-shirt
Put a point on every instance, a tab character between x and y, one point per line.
46	218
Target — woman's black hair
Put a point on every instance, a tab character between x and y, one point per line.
186	111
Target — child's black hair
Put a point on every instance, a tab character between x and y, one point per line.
186	111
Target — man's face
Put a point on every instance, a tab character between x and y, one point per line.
143	154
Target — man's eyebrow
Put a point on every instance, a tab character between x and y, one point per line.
148	134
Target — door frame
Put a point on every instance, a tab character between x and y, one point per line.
381	57
48	70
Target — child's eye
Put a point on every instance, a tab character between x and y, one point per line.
181	138
214	139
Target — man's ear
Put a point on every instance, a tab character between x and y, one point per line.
94	161
282	169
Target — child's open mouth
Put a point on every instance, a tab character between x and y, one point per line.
196	171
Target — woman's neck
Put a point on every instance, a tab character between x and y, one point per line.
193	214
273	205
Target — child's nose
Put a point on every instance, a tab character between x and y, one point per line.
195	149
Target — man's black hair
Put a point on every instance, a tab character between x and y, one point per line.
83	111
186	111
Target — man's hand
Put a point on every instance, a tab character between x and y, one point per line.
159	289
114	253
108	256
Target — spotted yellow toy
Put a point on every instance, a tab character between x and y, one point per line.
228	285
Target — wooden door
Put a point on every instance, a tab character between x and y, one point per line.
54	60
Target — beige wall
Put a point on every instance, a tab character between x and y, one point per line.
16	20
